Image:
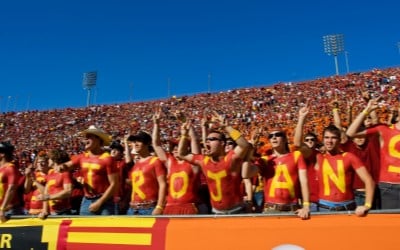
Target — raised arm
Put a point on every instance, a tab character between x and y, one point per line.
298	132
337	121
127	151
373	115
336	114
194	142
248	168
204	129
242	144
183	144
29	178
156	136
358	121
350	104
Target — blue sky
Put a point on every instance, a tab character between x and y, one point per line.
146	50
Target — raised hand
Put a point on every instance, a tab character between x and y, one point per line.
303	111
157	114
219	120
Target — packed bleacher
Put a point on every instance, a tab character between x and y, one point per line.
82	132
270	106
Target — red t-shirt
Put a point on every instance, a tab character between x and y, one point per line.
368	154
389	153
281	177
223	184
95	170
34	202
9	175
183	182
122	176
335	174
55	184
144	179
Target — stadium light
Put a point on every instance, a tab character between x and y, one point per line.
89	82
333	45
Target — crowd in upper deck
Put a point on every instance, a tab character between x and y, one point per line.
266	109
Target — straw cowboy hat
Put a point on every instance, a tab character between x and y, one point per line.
106	138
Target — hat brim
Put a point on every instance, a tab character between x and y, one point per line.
103	136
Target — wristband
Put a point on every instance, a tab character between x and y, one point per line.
335	109
160	207
306	204
365	113
234	134
185	137
368	205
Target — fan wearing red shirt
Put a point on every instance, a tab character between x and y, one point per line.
148	179
222	170
389	138
183	177
35	180
99	173
335	171
58	189
9	177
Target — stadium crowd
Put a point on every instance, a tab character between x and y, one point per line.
62	141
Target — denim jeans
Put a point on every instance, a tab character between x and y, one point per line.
389	195
350	205
106	209
258	200
359	197
314	207
143	211
17	210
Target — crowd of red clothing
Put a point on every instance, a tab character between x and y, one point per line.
247	108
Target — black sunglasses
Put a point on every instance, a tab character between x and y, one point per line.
309	139
230	143
277	134
212	139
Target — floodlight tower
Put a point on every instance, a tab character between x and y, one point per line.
89	82
333	45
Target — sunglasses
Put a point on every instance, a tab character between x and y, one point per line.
212	139
309	139
230	143
277	134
